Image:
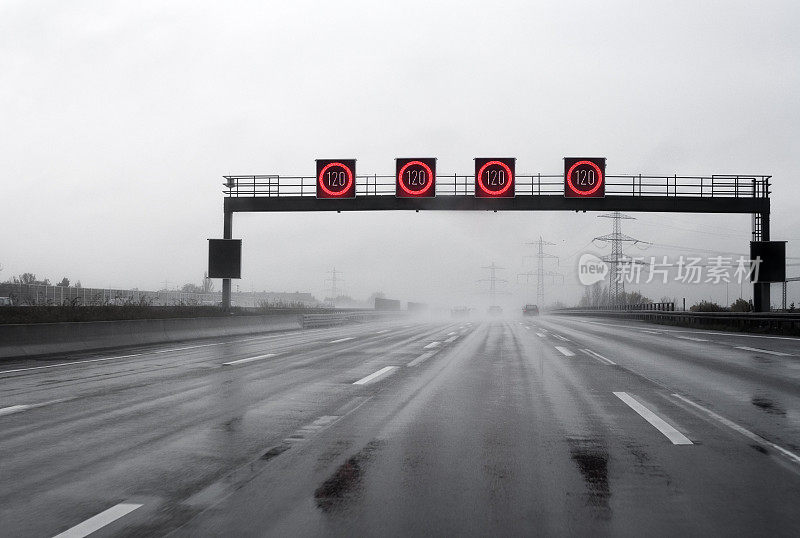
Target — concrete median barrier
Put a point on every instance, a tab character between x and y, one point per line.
37	339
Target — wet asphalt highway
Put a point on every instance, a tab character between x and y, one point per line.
534	426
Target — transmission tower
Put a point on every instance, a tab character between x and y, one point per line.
616	284
493	292
334	290
541	274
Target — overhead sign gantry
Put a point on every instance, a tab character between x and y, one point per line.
495	185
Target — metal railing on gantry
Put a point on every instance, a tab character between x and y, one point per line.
713	186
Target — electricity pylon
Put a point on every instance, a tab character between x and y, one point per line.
493	281
540	256
333	290
616	285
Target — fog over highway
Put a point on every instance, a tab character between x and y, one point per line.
418	268
546	425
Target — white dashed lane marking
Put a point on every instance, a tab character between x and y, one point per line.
99	521
432	345
422	358
342	340
249	359
13	409
307	431
676	437
564	351
375	375
599	357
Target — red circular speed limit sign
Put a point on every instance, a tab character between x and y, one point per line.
584	177
415	178
336	178
494	177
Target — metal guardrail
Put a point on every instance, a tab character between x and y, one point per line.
765	322
714	186
309	321
668	307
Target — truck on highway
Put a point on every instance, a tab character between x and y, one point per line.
530	310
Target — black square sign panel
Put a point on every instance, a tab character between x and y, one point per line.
224	258
415	178
494	177
336	178
584	177
771	256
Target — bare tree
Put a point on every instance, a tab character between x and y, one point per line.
208	284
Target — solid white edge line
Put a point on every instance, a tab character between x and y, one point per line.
599	357
70	363
676	437
691	338
102	359
342	340
248	359
13	409
421	358
99	521
431	345
767	351
707	333
747	433
564	351
374	375
187	347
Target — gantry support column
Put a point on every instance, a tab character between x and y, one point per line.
227	233
761	300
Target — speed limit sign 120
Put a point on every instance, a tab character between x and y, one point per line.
584	177
336	178
494	177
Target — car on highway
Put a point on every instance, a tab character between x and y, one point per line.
460	312
530	310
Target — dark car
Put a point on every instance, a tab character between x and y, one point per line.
530	310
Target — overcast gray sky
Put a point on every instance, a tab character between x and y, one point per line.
119	119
